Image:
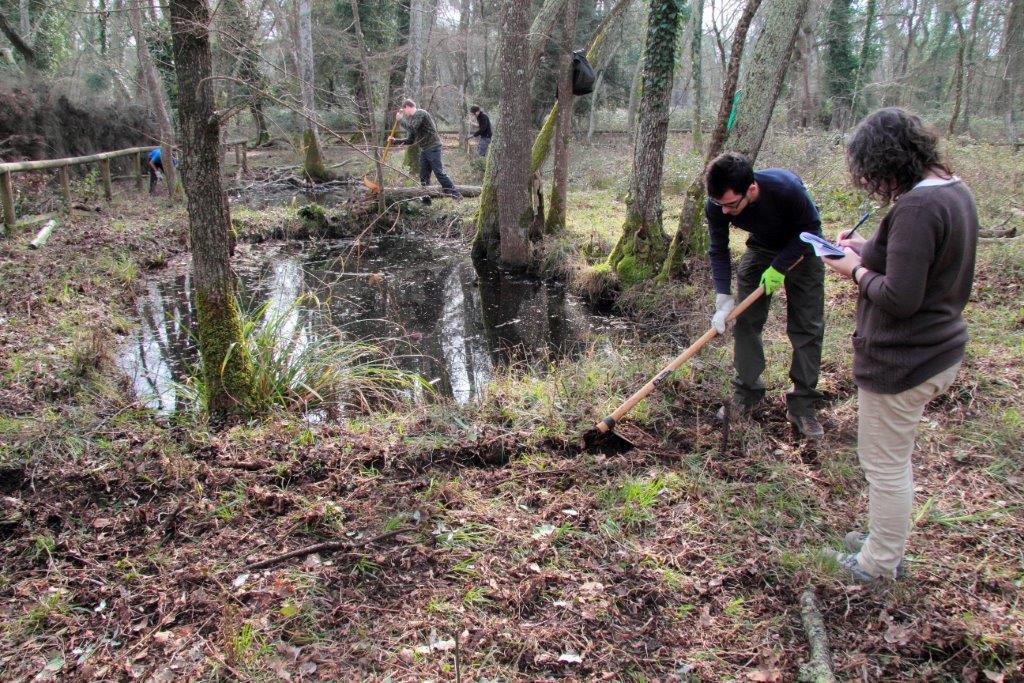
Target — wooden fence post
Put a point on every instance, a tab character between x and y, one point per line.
7	194
238	155
65	188
245	158
137	169
105	172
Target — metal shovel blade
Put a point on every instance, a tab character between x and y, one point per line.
609	443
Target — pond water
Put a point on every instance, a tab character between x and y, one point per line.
460	324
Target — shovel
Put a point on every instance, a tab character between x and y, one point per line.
374	187
603	437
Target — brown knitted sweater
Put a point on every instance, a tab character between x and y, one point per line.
910	323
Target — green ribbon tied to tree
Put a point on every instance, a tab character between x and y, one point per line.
732	113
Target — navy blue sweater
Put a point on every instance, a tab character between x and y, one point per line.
782	211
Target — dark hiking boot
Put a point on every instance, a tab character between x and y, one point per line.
807	425
855	540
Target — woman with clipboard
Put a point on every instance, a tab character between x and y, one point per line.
913	278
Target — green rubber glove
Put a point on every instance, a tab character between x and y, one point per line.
771	280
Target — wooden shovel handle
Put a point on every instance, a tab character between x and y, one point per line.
608	423
387	146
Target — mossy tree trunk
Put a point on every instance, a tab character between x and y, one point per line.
313	158
643	243
555	221
227	368
512	162
485	244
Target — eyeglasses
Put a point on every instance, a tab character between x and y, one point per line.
732	204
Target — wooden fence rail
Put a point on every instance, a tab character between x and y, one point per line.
103	159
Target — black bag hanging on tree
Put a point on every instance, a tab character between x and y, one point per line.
583	75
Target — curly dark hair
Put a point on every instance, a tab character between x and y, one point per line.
890	151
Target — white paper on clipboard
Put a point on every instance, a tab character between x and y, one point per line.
822	247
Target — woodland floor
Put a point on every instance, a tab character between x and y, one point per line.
480	538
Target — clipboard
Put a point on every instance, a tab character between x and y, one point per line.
822	247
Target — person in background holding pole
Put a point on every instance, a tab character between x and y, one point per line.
774	207
483	130
423	132
913	279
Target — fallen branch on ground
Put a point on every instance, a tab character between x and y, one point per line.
327	547
818	668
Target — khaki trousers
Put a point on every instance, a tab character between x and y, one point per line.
887	426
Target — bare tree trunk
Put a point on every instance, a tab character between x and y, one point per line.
766	74
414	66
563	128
366	92
515	213
864	63
634	95
1011	56
594	101
641	247
313	163
690	237
697	73
958	74
227	368
465	8
157	100
806	105
970	67
24	17
904	63
732	76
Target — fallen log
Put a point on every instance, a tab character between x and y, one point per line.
430	191
44	234
818	668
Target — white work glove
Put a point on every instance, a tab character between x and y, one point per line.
724	303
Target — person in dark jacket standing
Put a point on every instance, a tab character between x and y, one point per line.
913	279
422	132
774	207
483	130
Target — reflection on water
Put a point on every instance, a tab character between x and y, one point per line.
424	291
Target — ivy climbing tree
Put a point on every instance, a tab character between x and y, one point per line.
840	64
643	244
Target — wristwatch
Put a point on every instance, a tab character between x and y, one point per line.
853	273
